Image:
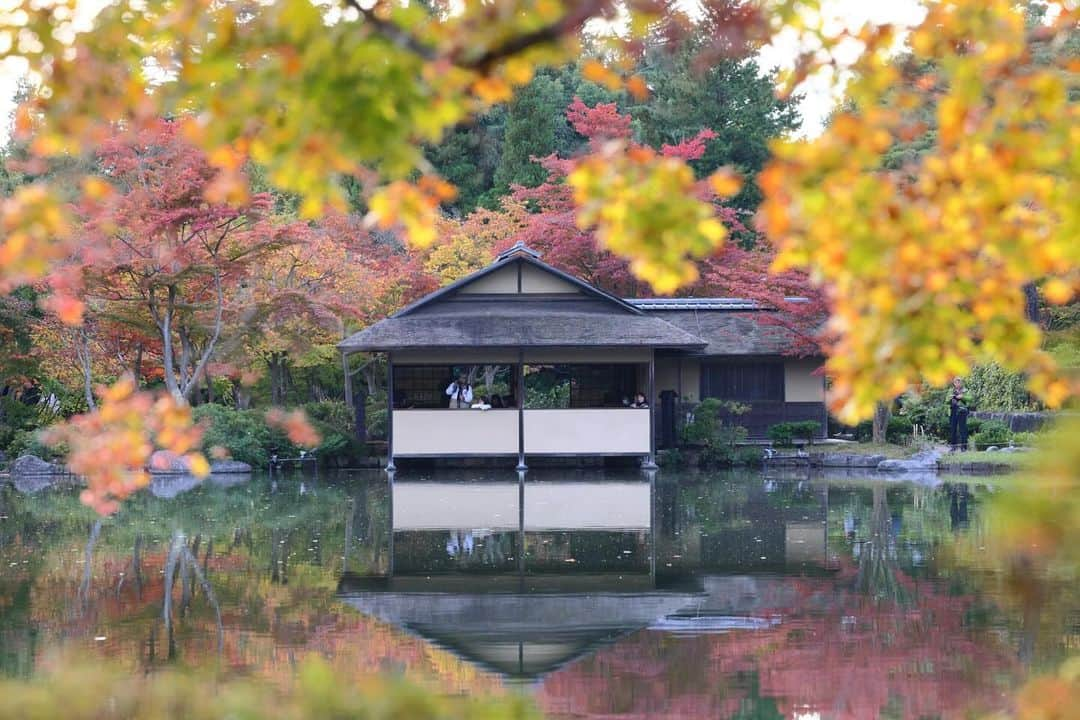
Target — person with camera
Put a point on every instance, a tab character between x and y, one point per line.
460	392
959	406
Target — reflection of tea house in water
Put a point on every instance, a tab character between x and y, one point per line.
523	577
570	370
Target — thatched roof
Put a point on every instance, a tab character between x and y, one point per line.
511	321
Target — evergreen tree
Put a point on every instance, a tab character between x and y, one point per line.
731	96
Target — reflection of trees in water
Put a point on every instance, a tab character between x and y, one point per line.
879	574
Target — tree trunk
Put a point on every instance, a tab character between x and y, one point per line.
83	352
136	367
882	413
1031	302
276	365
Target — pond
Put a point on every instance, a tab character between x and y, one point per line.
599	594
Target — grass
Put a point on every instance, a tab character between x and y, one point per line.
1012	460
889	450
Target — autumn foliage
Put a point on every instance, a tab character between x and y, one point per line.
111	447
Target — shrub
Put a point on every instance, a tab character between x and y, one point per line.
714	456
928	409
899	430
671	458
708	424
784	434
28	442
244	433
336	424
749	456
992	432
992	387
717	437
1025	439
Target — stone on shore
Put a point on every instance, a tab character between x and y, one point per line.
850	460
229	466
919	462
166	461
33	465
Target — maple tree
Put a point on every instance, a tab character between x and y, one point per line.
440	67
741	268
153	242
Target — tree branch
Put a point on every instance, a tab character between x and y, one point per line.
572	22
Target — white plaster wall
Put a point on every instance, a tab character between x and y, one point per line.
548	506
587	506
501	281
804	542
691	380
431	506
455	432
587	431
535	280
800	382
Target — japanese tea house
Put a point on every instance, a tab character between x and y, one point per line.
577	356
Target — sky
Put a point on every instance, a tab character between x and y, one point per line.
821	92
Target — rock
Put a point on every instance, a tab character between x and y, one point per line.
228	479
33	465
1014	449
850	460
992	448
170	484
166	461
30	484
919	462
229	466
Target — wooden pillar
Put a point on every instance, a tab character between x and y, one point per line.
650	461
348	379
521	466
390	467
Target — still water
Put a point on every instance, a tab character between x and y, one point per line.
613	595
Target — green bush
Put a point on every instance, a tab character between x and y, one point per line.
671	458
336	424
899	430
708	426
784	434
992	387
1025	439
717	438
717	456
992	432
748	456
928	409
28	442
243	433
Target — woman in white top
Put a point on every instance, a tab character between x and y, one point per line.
460	393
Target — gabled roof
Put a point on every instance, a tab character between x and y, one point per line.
526	255
487	322
585	316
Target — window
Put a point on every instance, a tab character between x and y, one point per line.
758	381
581	386
421	386
424	386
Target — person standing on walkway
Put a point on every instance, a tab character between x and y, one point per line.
959	405
460	392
